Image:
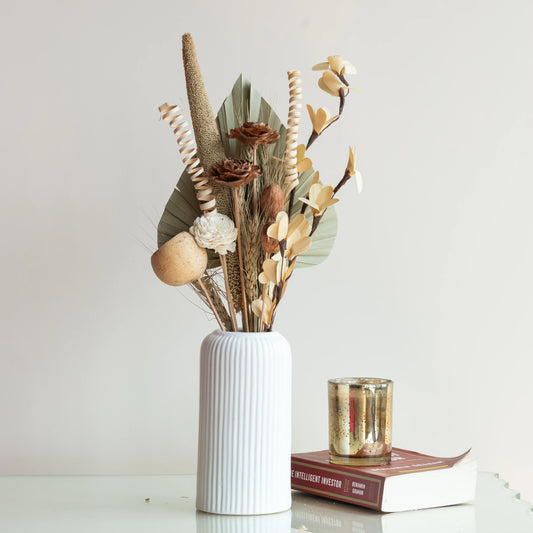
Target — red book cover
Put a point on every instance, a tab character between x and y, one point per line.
313	473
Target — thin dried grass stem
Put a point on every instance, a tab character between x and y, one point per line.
211	304
239	249
263	296
228	293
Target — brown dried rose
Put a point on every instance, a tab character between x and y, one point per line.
234	172
254	133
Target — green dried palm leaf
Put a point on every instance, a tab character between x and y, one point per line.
245	104
180	212
242	105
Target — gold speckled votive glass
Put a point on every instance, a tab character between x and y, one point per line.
360	421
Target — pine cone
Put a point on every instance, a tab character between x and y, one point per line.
234	172
254	133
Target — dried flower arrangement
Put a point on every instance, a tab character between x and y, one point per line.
249	204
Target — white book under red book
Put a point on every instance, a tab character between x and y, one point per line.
411	481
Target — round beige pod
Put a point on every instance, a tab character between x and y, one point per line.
180	260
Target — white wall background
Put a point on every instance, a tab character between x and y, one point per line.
430	281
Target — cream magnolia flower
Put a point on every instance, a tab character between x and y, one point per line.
330	83
263	308
297	237
271	272
299	226
321	118
302	163
297	241
216	232
350	168
320	198
278	229
337	65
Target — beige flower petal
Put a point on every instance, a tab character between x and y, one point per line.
302	163
349	68
311	112
272	271
278	230
336	64
321	66
300	246
300	151
299	224
283	225
263	309
331	202
324	193
358	181
325	88
330	83
312	205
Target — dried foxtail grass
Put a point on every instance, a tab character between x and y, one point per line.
209	146
210	149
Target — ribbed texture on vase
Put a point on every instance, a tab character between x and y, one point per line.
270	523
244	440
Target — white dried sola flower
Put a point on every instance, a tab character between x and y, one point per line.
216	232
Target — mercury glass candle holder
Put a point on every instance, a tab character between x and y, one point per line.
360	421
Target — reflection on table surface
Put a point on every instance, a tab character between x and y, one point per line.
166	504
318	515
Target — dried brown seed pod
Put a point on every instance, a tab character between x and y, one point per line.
180	260
272	200
234	172
254	133
269	245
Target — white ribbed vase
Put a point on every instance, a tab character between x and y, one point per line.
244	440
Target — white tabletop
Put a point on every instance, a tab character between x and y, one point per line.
161	504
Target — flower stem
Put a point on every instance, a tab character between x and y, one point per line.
317	219
343	79
342	100
263	296
312	138
316	222
231	307
342	182
239	249
291	202
314	135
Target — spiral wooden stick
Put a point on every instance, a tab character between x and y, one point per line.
295	95
204	192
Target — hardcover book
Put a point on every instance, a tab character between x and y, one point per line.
411	481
